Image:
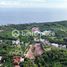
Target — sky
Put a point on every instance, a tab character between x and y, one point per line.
33	3
26	11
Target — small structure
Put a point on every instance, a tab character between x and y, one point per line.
1	30
36	39
2	60
48	33
62	46
17	60
34	29
58	45
17	42
55	45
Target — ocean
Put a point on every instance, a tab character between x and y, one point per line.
31	15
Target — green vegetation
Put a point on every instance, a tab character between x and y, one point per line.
55	57
60	29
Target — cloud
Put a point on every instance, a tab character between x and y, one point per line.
65	0
29	3
57	5
41	1
14	3
33	4
11	4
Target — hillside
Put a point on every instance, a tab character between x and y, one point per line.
52	56
43	25
59	27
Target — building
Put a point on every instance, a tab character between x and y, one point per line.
48	33
62	46
34	29
55	45
2	60
16	42
1	30
17	60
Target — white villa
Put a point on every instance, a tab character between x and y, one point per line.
48	33
58	45
17	42
1	30
54	44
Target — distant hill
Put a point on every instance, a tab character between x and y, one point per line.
42	25
59	27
